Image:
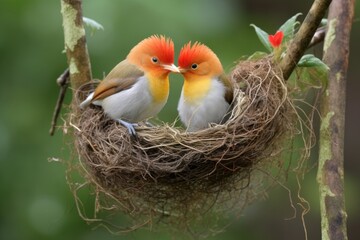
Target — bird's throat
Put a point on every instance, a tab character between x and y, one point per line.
195	90
159	88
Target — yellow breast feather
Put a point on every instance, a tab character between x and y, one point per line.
194	90
159	88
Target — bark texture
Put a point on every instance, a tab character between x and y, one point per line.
75	43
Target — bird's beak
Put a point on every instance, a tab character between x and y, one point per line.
172	68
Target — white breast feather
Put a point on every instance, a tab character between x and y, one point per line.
210	109
134	104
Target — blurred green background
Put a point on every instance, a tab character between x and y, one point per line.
35	200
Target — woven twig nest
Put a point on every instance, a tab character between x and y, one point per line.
167	171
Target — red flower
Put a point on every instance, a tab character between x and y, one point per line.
276	39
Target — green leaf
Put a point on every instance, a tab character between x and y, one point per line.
311	72
288	28
257	55
263	36
92	24
314	77
310	60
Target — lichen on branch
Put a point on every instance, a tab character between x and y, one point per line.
331	150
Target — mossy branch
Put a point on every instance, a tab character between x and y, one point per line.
75	43
79	70
303	37
331	156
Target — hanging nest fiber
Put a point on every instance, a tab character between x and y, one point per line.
169	172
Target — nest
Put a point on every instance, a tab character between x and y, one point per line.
167	172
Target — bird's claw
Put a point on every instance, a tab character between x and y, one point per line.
129	126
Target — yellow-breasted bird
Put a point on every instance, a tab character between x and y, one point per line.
207	92
138	87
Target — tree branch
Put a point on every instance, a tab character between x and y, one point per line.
75	43
63	82
331	154
303	37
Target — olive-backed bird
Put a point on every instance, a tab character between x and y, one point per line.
138	87
207	92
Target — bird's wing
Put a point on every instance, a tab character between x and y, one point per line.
122	77
229	89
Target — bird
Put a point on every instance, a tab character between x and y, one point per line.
207	92
137	88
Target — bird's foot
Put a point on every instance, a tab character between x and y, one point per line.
129	126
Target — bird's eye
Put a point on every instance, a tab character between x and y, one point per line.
154	59
194	66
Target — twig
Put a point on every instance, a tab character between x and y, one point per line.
303	37
75	43
330	174
63	82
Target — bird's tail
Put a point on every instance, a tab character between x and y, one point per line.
87	101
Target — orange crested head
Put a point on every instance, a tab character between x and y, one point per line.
155	53
198	59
